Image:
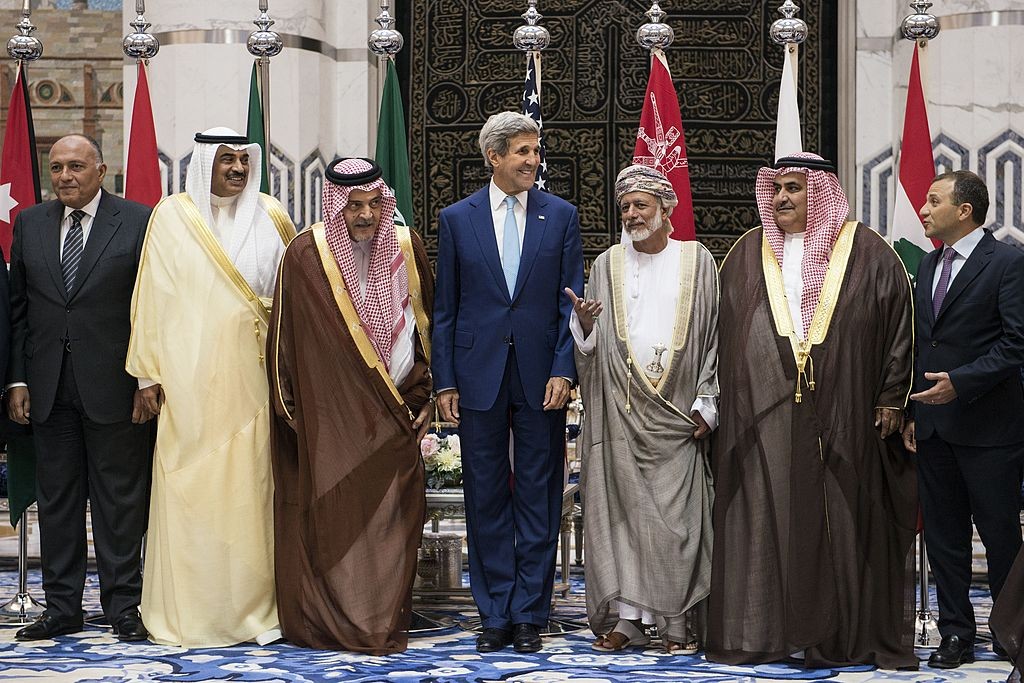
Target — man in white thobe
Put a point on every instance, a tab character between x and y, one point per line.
649	385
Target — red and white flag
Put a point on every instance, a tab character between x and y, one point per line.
142	177
661	144
917	169
19	168
788	136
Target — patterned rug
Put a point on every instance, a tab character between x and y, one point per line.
441	657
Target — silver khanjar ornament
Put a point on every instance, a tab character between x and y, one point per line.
264	43
655	367
920	24
25	46
655	34
385	41
531	37
140	45
788	29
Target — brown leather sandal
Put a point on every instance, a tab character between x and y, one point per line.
673	647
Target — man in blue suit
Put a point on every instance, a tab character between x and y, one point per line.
966	420
503	360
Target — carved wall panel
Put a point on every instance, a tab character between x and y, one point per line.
459	66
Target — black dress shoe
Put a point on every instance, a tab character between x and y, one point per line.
492	640
952	653
46	627
129	627
525	638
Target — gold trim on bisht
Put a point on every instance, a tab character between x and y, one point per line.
348	312
277	214
194	219
818	330
683	316
278	314
415	287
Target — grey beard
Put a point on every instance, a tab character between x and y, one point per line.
640	234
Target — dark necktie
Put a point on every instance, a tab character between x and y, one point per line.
943	286
73	246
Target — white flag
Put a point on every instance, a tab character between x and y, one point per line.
788	139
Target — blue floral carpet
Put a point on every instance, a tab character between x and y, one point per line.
441	657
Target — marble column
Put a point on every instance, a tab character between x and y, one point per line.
977	122
323	86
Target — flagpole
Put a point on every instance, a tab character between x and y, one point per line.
23	608
264	44
385	42
789	33
920	27
531	38
141	45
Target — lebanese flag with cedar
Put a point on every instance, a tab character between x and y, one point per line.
917	169
19	168
660	143
142	177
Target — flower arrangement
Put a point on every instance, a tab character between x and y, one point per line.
442	459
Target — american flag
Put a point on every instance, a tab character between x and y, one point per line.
531	107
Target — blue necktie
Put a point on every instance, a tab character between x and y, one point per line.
510	246
73	246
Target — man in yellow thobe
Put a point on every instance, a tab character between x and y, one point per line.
199	328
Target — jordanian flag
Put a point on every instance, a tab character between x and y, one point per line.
917	170
19	189
392	153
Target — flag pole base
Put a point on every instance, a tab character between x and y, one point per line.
926	630
21	609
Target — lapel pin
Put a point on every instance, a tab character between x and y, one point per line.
540	218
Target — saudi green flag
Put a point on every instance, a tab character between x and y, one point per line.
392	146
254	128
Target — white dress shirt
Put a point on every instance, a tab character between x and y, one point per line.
498	212
963	247
90	210
793	277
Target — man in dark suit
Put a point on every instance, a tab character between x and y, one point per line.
73	266
966	421
503	359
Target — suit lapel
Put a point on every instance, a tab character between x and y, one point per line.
925	275
49	237
536	225
979	259
483	227
104	225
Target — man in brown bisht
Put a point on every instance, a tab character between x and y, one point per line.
1007	620
347	351
815	498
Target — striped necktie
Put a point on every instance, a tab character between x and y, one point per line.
943	284
74	243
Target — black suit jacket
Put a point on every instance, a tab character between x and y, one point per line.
978	338
95	319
